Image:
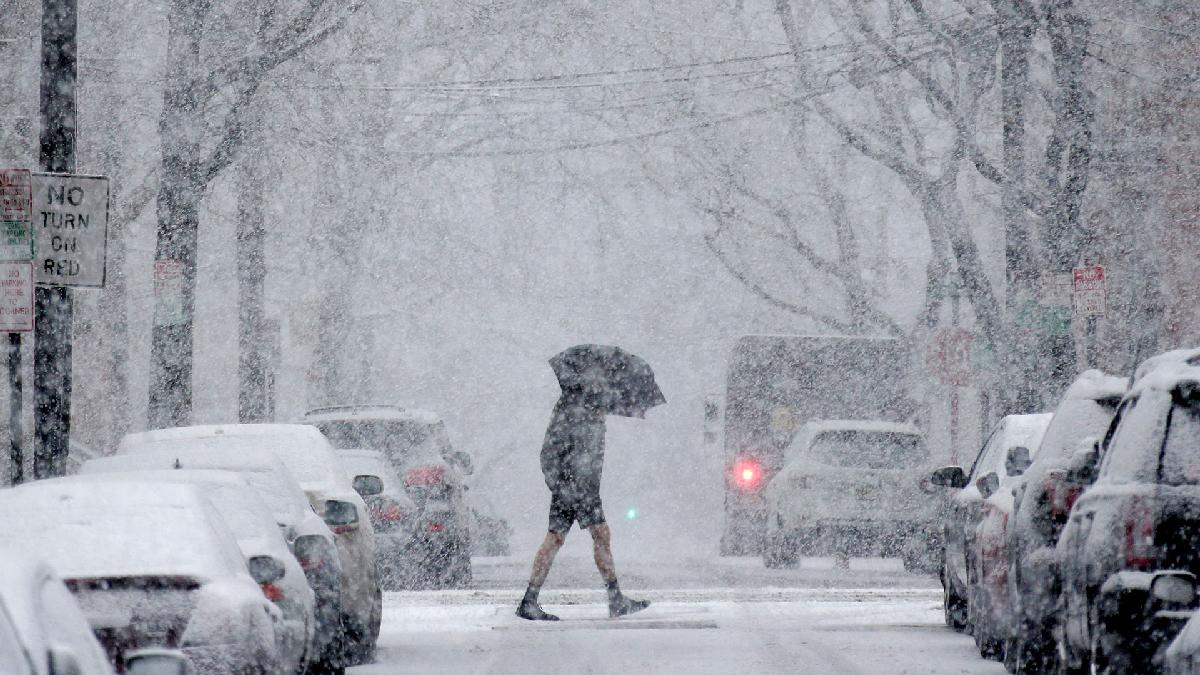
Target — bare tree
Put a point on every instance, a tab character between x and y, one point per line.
207	98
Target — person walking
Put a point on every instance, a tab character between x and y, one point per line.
596	381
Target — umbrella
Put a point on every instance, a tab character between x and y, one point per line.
609	378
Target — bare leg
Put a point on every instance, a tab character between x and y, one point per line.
618	603
545	557
529	608
602	551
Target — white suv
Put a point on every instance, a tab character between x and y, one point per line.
851	487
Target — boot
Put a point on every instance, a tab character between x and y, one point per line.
619	604
623	605
529	608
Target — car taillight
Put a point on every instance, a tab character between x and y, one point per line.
273	592
1139	534
1061	494
425	476
747	474
436	527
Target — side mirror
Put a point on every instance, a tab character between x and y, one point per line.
340	514
463	461
62	661
156	662
1017	461
1176	589
988	484
1083	463
368	486
265	569
949	476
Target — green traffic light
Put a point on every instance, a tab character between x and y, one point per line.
631	513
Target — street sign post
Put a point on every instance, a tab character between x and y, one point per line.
70	219
1089	291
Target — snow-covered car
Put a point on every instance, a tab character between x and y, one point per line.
151	565
311	541
489	532
42	631
416	444
1009	440
393	513
851	487
310	458
1043	496
1140	516
989	608
250	520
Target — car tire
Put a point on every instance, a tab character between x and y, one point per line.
457	572
954	606
1032	652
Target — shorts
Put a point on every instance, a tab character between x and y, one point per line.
568	506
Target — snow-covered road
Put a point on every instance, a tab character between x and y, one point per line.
748	626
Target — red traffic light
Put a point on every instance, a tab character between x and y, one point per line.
747	474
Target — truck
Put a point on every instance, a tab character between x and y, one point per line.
777	383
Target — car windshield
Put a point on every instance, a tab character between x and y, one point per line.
1073	421
868	449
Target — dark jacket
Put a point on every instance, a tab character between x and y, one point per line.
573	452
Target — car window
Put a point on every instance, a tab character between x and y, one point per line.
13	657
868	449
1133	453
1181	449
63	623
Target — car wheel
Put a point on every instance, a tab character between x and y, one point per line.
1032	652
954	606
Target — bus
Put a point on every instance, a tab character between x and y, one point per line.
776	383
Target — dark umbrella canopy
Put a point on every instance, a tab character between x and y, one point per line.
608	378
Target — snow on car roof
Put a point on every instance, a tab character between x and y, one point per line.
244	511
1175	357
370	412
86	529
265	472
1165	377
301	447
1097	385
880	426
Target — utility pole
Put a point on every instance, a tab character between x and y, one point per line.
53	305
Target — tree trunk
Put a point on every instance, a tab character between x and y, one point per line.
251	276
1020	353
181	189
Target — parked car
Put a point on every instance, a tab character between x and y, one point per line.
393	514
1008	441
42	630
309	457
418	448
311	541
989	607
250	521
1139	520
151	565
1043	496
850	487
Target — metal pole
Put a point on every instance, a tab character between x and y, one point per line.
53	306
16	454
